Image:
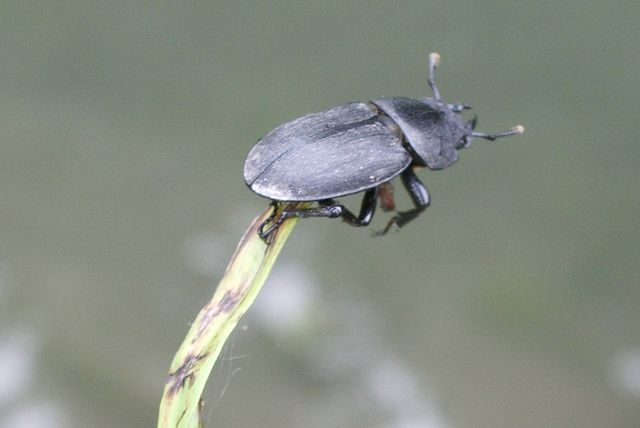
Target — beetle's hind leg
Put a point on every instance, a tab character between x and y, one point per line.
419	196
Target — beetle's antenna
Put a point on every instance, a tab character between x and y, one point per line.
434	61
458	108
516	130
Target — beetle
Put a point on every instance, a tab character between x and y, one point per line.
360	147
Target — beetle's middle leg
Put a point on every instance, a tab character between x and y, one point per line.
419	196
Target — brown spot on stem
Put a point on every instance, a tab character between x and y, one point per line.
185	373
213	309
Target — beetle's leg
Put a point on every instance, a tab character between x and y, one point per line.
367	209
385	194
419	196
328	208
265	234
331	211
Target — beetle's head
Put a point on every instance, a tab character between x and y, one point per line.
463	132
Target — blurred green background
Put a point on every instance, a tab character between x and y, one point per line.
514	301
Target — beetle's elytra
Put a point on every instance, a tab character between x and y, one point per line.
360	147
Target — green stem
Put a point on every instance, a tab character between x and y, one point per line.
250	265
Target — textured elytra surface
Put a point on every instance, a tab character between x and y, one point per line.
323	155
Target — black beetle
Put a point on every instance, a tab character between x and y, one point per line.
357	147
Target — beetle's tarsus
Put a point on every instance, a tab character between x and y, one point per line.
420	197
399	220
390	224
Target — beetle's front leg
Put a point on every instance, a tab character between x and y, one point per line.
328	208
419	196
331	211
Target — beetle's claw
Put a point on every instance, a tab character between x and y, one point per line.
265	234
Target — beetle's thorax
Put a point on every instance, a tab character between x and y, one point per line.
431	128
